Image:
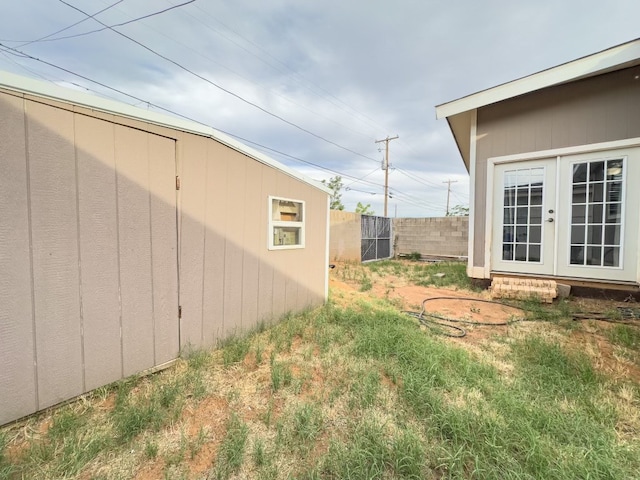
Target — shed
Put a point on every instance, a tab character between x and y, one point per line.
128	236
554	160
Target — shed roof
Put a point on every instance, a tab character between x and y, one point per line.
30	86
459	112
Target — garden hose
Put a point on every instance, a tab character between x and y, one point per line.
434	321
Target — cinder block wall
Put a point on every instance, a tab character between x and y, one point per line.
432	236
345	236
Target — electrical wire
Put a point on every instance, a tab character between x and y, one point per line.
220	87
399	195
114	25
24	43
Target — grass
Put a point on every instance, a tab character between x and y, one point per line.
354	392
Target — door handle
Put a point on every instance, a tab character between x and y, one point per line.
550	220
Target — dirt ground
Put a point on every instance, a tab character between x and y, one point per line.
472	306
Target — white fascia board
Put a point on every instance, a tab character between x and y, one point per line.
52	91
616	58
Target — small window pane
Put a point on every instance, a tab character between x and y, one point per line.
594	255
534	253
594	234
510	178
521	234
578	214
611	257
614	169
507	234
596	192
612	235
286	211
535	234
614	192
523	196
509	216
535	216
521	252
577	235
286	235
614	213
579	194
536	196
577	256
580	173
596	171
507	251
509	197
522	214
595	214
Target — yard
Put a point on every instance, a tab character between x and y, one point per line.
358	389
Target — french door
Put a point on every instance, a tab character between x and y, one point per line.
570	216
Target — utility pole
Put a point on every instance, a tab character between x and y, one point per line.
449	182
386	169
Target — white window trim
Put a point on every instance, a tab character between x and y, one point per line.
277	223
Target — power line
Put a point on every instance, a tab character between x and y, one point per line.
371	122
28	42
235	95
114	25
396	193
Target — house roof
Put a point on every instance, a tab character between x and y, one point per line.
26	85
459	112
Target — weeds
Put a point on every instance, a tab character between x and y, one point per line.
234	350
231	452
627	336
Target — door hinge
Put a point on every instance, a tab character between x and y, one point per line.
179	311
177	182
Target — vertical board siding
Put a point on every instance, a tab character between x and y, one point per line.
162	167
215	244
132	157
265	282
52	174
17	375
594	110
235	209
193	191
98	250
251	244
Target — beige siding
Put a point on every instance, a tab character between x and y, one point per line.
98	250
346	236
91	228
17	375
600	109
54	223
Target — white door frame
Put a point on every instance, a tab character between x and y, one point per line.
539	155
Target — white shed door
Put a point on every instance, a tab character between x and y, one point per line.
523	236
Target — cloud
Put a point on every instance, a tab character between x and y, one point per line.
351	72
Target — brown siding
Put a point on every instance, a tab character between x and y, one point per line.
600	109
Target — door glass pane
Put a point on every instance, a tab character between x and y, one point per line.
523	192
596	213
579	173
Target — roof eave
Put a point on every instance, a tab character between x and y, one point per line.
615	58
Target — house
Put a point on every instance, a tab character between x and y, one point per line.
554	160
128	237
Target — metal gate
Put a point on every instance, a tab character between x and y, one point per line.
376	238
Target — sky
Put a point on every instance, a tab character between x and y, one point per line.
315	84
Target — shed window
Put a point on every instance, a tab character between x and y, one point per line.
286	223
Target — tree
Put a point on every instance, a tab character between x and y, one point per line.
458	211
364	209
335	185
